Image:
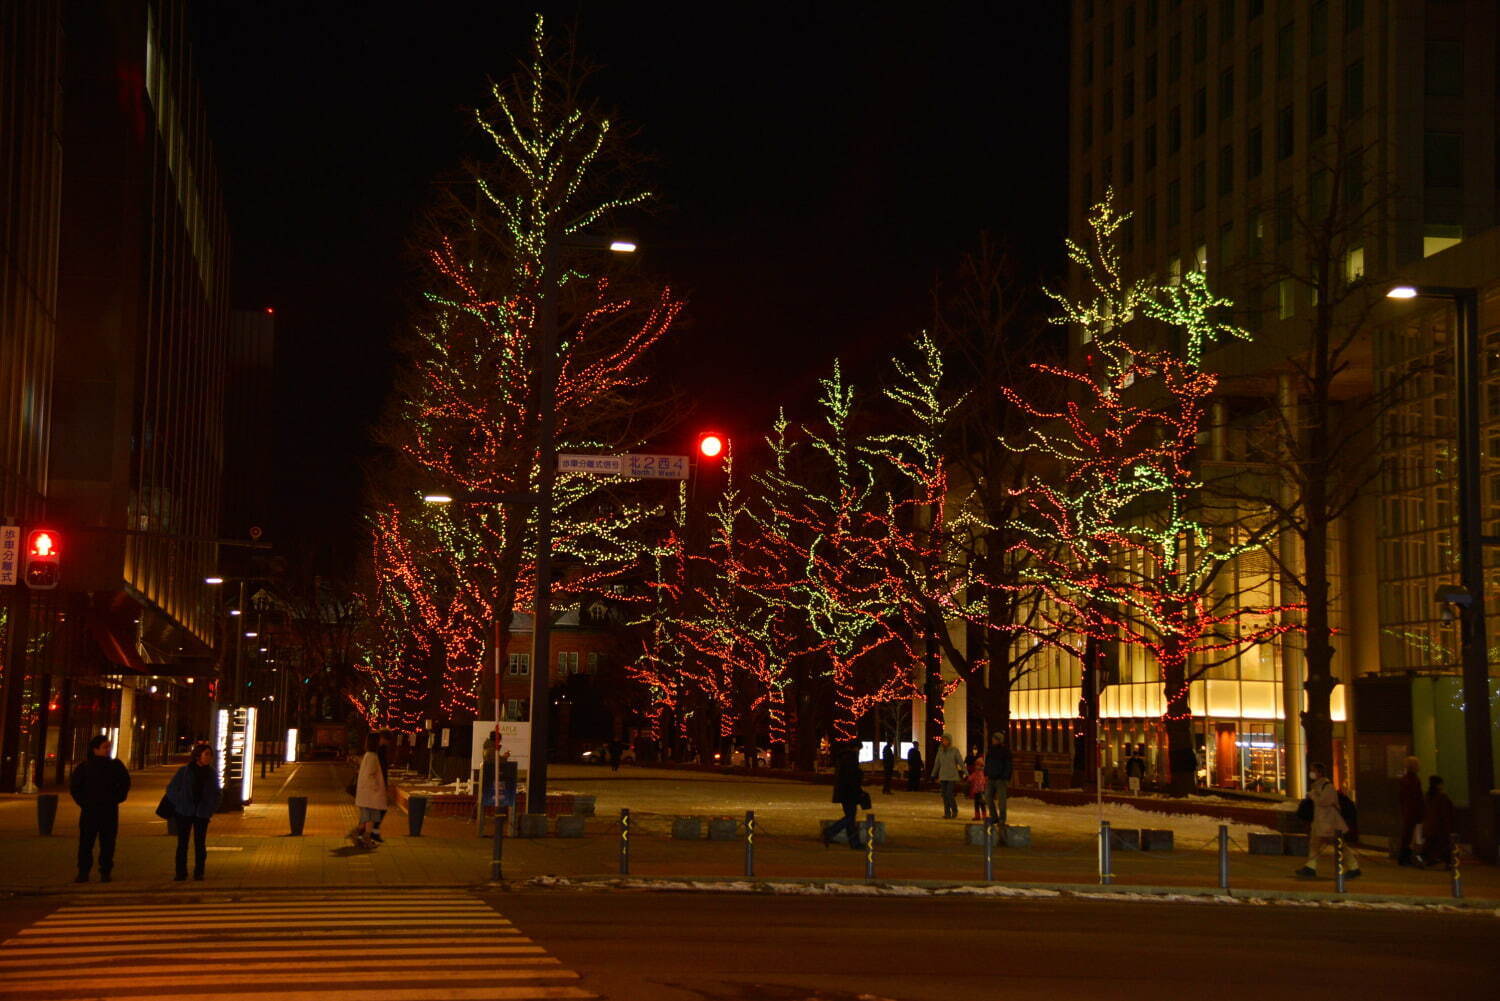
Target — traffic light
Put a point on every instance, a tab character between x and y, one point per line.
711	445
42	571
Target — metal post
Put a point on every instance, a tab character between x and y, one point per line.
989	849
1458	880
541	626
749	844
869	844
624	842
497	844
1224	857
1338	862
1106	876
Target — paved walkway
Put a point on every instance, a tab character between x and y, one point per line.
253	850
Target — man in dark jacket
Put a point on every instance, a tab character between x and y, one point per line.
998	768
888	763
1409	795
848	792
99	785
914	768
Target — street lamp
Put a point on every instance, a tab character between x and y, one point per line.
1471	543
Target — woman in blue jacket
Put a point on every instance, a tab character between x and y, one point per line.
194	793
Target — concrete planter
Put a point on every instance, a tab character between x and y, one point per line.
532	825
1156	841
1266	844
723	829
583	806
1017	837
843	839
1294	844
1127	839
570	826
687	828
416	813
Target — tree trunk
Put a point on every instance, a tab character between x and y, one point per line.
1317	718
1182	759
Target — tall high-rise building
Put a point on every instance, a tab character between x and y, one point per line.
1231	130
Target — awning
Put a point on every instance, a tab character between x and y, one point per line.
117	648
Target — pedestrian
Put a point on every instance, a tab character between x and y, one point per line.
999	766
1135	769
98	785
914	768
1437	824
848	792
1413	806
1327	824
888	763
975	784
194	794
616	752
369	794
947	768
969	759
385	779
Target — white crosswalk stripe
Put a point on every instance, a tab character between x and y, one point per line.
333	946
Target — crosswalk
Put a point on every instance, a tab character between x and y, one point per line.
333	946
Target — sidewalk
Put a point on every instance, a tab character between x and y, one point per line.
254	851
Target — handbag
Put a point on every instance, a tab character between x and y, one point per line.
165	810
864	800
1305	810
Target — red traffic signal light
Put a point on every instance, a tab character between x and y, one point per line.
42	570
711	445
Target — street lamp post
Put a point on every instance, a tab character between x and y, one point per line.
1473	643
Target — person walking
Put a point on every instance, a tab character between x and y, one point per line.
1437	824
914	768
888	764
194	794
999	766
369	794
98	785
1413	806
1327	823
1135	769
385	778
848	792
948	769
974	785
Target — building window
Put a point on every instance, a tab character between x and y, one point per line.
1226	169
1285	218
1354	179
1226	20
1225	250
1127	163
1109	44
519	664
1107	113
1354	89
1148	220
1255	234
1148	147
1286	299
1200	256
1127	94
1442	160
1127	27
1088	126
1088	63
1253	152
1226	93
1317	111
1354	265
1088	10
1151	13
1200	186
1317	195
1443	73
1200	36
1151	76
1107	172
1437	237
1254	9
1317	29
1174	130
1174	58
1174	204
1174	272
1285	137
1127	235
1286	50
1200	111
1354	14
567	662
1088	191
1254	73
593	662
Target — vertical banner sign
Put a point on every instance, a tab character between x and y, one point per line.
10	548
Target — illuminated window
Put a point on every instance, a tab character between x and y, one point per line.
1286	299
519	664
1437	237
1354	264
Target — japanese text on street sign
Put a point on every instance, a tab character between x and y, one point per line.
10	545
636	467
608	465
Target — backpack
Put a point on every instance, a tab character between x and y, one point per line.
1350	813
1305	810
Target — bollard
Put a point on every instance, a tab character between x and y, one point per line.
263	767
624	842
1106	877
1338	862
1224	857
989	849
296	814
749	844
1458	882
497	846
869	845
416	814
46	813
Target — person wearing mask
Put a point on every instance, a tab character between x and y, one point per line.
948	769
1437	824
998	768
913	768
1327	823
194	793
849	793
1135	769
369	794
98	785
1413	806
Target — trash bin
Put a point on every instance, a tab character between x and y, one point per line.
46	813
416	812
296	813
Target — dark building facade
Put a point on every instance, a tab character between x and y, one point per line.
134	445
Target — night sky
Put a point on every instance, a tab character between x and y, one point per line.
818	165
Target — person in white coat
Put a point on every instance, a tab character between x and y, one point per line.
1327	821
369	794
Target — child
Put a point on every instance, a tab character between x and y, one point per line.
976	785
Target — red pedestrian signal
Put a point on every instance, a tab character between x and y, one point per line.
710	445
42	570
